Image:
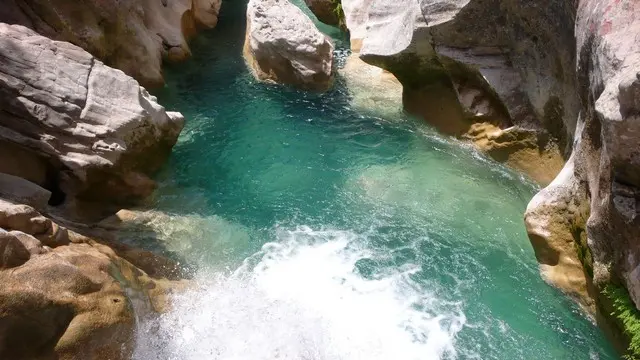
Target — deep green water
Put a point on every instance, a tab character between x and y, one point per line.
322	233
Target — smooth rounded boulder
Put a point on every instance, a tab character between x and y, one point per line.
283	45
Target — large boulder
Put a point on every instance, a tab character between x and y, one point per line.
283	45
70	298
131	35
80	129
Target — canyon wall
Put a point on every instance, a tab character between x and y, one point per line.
133	36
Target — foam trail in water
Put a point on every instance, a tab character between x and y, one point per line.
298	299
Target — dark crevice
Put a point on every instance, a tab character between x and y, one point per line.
53	185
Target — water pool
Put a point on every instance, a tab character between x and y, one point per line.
321	232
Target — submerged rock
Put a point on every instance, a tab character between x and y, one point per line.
133	36
81	129
282	45
372	89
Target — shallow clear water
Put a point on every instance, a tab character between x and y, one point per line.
322	233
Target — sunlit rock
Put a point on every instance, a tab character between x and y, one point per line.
133	36
283	45
94	131
67	296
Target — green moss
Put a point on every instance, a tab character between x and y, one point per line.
337	9
628	315
582	249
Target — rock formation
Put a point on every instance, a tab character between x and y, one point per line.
67	296
76	127
133	36
74	131
528	82
459	73
327	11
283	45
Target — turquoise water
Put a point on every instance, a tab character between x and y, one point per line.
318	232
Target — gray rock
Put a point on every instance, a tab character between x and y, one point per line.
97	132
23	191
131	35
283	45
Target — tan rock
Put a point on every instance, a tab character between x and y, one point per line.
556	221
372	89
520	149
78	300
13	253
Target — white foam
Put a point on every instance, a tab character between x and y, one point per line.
301	298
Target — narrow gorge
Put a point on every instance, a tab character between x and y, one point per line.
319	179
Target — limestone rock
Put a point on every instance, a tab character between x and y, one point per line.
371	88
73	300
608	47
13	253
453	55
283	45
133	36
556	220
96	133
518	148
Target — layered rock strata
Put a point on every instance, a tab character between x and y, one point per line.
133	36
75	126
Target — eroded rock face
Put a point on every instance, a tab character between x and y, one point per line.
604	174
283	45
66	296
78	127
609	75
474	62
134	36
533	77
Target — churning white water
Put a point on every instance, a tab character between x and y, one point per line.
302	297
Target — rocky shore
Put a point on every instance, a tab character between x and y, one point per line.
78	139
551	89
